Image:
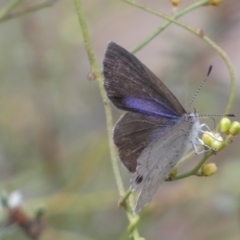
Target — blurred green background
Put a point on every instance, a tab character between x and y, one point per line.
53	141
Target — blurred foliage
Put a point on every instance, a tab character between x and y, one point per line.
53	144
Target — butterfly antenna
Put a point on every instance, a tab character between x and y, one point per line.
195	95
200	87
216	115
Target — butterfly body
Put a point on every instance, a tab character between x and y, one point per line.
156	131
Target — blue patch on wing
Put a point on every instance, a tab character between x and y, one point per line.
149	107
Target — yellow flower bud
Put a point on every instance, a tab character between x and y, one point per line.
173	173
209	169
175	2
213	140
217	142
235	128
207	138
225	125
215	2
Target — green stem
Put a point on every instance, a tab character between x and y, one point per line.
195	169
27	10
97	73
125	197
167	23
7	9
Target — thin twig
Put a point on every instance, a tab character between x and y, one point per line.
8	8
167	23
30	9
97	73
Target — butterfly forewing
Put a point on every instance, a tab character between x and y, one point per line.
132	86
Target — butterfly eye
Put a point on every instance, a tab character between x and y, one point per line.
139	179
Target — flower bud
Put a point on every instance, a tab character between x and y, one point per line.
213	140
235	128
209	169
173	173
215	2
225	125
175	2
207	138
217	142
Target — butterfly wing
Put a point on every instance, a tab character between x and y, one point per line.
157	160
134	132
133	87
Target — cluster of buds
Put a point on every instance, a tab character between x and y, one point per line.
229	128
215	141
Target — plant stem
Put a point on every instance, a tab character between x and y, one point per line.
195	169
167	23
27	10
97	73
7	9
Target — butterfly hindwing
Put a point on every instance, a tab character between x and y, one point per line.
134	132
157	160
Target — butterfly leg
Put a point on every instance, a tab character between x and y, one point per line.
196	149
202	126
199	142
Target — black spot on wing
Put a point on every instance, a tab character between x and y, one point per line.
139	179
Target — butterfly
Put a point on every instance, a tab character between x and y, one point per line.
156	131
